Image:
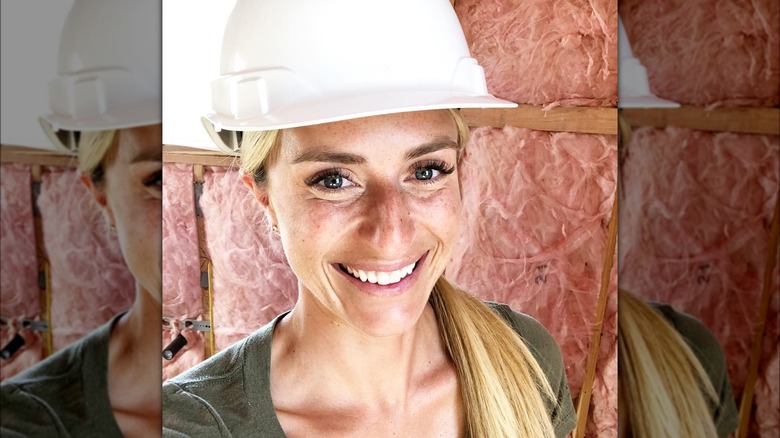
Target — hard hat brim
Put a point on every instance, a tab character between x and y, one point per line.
143	113
354	107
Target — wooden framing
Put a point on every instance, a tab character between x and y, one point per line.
207	291
27	155
583	402
746	404
586	120
742	120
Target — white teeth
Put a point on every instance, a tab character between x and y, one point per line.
379	277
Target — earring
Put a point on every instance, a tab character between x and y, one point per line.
112	227
275	229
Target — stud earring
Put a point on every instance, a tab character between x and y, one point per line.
275	229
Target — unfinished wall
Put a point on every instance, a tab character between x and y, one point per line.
89	280
698	206
18	284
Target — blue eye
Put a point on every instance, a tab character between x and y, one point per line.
431	170
332	181
424	173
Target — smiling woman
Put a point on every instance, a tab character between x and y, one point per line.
351	146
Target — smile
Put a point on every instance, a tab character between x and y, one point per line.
379	277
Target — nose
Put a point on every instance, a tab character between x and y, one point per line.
388	223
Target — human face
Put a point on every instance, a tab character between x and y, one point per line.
131	196
377	194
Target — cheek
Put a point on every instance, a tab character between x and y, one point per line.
139	226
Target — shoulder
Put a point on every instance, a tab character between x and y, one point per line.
548	354
212	397
701	340
537	338
48	399
708	351
33	401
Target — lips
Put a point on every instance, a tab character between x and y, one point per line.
381	278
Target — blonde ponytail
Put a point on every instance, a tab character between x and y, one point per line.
502	385
658	375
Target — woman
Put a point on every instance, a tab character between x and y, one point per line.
106	384
365	197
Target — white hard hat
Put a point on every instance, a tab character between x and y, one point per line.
633	87
288	63
109	66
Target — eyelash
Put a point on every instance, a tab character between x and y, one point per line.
153	179
439	166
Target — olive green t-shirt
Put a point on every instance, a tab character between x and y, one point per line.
709	352
229	395
64	395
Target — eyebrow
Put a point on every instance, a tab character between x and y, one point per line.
148	155
348	158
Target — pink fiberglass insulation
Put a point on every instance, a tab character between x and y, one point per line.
707	53
90	282
252	280
536	206
766	403
695	217
541	52
182	298
18	285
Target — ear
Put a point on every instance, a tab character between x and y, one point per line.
261	194
100	197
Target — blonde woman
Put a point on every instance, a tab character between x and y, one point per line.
358	175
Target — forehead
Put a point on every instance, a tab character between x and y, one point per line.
372	133
143	143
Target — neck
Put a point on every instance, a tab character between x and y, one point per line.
134	379
366	369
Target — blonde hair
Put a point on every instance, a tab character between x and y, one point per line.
657	376
502	385
95	149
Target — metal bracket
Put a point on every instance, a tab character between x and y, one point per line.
194	324
34	325
186	324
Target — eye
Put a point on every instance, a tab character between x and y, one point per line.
425	173
431	171
154	179
330	179
333	181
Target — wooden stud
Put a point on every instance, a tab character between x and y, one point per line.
44	277
583	403
207	299
758	330
742	120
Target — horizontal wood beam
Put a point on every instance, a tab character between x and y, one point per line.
746	120
587	120
42	157
190	155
